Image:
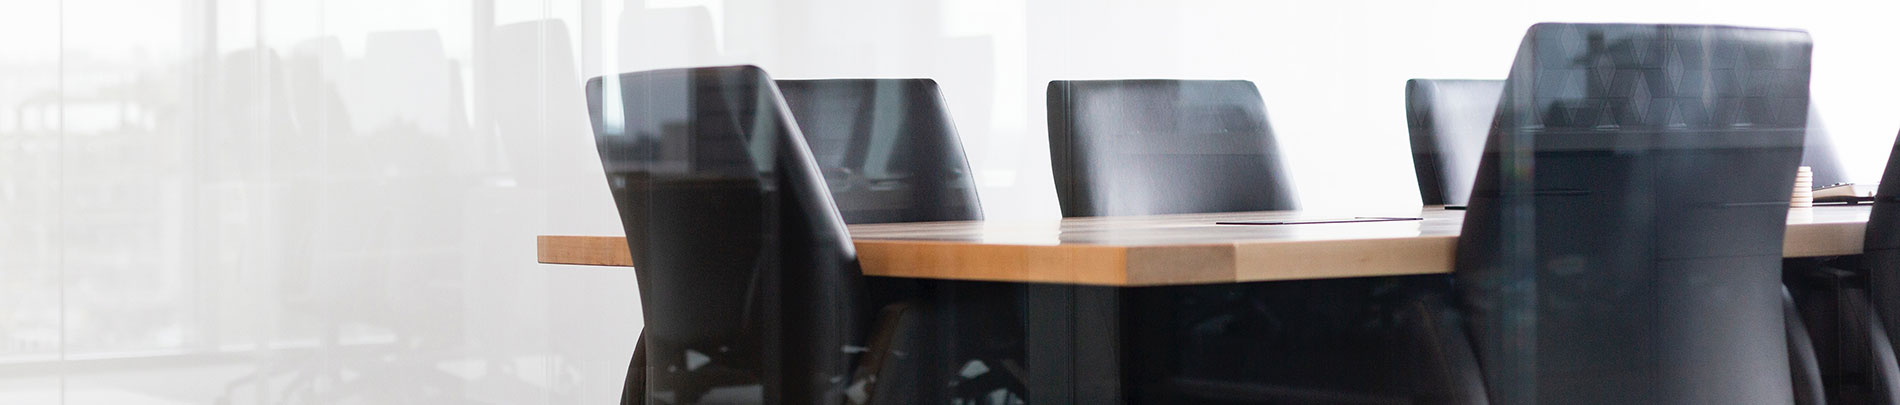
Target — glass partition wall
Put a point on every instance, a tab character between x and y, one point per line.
336	201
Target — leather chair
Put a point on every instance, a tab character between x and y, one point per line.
1819	153
887	147
890	153
1146	147
1881	261
1448	120
1599	261
1831	292
748	283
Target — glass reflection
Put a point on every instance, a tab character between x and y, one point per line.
1624	235
250	201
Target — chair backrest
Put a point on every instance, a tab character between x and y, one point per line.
1623	241
743	264
1146	147
1820	155
1449	120
887	147
1882	247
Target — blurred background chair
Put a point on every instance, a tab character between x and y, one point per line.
1819	153
1623	243
1146	147
749	287
530	114
1448	120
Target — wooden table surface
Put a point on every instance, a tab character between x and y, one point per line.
1186	249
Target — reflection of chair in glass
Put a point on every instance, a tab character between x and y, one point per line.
1623	241
392	201
536	110
1145	147
528	93
254	96
1448	120
290	91
311	73
405	93
536	102
750	289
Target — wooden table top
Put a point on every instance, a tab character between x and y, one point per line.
1186	249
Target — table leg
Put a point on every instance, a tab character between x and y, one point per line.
1073	334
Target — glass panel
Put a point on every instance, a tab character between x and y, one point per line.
30	155
291	201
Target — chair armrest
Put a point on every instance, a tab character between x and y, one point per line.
889	339
1802	363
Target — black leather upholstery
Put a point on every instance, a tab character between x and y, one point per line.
887	147
1882	260
1147	147
746	275
1804	367
890	153
1819	153
1144	147
1601	261
1449	121
1886	377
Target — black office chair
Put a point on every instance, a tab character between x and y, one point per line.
749	287
1881	260
1820	155
1831	292
1146	147
887	147
1448	120
1623	240
890	153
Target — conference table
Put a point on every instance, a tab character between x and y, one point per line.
1188	248
1072	267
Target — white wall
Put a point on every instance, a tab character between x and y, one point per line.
334	201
